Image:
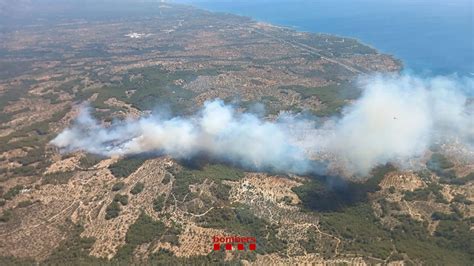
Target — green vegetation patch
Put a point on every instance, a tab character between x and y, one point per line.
462	199
273	105
215	172
219	172
221	191
388	207
126	166
417	194
14	68
456	234
346	212
23	171
310	244
57	178
74	250
445	216
6	216
360	229
24	204
112	210
159	203
123	199
12	192
166	179
138	188
89	160
5	117
154	87
166	257
439	161
15	92
144	230
451	244
453	180
423	194
118	186
183	179
33	139
172	234
332	193
363	233
34	155
16	261
68	86
241	221
441	165
334	97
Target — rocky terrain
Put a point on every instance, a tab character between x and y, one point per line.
85	209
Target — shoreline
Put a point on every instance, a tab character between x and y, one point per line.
296	29
408	43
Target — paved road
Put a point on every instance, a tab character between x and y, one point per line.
311	50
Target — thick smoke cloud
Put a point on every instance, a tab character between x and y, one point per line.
395	120
217	131
398	118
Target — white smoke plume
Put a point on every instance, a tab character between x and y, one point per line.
218	131
399	117
395	120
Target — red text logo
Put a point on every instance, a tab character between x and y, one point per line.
234	243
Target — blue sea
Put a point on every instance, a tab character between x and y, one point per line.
430	36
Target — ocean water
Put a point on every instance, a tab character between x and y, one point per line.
431	37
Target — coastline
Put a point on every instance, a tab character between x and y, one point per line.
296	29
430	40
